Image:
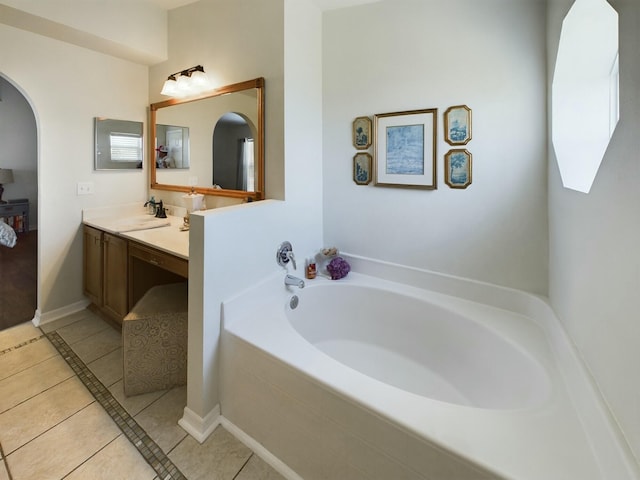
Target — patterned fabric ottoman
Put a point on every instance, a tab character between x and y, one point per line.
154	340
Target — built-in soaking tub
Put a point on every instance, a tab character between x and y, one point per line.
369	378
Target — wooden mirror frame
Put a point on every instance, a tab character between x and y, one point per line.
258	194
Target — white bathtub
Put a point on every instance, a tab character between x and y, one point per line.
368	378
420	346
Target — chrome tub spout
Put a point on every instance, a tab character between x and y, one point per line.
290	280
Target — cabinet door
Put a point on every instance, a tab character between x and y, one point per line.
115	277
92	261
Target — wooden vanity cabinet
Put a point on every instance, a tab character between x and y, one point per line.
106	272
117	272
92	264
114	293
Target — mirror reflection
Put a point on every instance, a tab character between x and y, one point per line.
118	144
233	153
172	149
222	142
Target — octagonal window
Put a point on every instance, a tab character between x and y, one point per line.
585	101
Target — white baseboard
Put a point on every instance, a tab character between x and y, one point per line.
43	318
198	427
36	320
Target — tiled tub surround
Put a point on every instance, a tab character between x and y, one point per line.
327	420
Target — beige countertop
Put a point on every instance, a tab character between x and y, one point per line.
133	223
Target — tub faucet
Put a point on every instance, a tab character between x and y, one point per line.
293	281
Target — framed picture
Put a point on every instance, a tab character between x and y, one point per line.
405	149
362	168
362	133
457	166
457	125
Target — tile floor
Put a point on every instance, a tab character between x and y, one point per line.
66	417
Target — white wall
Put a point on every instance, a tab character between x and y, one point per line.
233	248
403	55
135	31
594	238
65	100
18	151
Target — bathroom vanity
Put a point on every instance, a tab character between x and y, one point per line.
120	266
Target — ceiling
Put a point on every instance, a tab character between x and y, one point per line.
322	4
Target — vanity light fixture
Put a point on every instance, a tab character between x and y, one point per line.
191	81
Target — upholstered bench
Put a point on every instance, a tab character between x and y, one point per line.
154	340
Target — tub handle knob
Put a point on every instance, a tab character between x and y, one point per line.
285	254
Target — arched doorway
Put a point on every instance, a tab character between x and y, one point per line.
19	207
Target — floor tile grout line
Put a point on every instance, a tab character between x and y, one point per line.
36	394
61	421
6	463
94	454
93	334
28	368
155	400
20	345
52	327
100	357
242	467
145	445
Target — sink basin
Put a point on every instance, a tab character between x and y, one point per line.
139	222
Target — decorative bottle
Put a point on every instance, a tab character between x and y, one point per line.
310	269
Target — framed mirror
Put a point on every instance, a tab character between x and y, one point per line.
118	144
215	159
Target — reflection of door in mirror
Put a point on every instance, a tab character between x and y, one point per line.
233	155
175	141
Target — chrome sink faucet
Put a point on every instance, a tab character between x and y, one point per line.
290	280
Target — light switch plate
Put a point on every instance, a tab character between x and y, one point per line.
85	188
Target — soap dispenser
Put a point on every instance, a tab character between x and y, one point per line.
151	206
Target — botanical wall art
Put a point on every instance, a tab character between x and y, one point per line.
362	133
457	168
362	168
457	125
405	149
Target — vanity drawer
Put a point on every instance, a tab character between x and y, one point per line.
160	259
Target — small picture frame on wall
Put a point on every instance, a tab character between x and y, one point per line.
405	149
362	133
362	162
457	125
457	168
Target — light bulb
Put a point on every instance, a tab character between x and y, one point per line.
170	87
200	81
184	85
